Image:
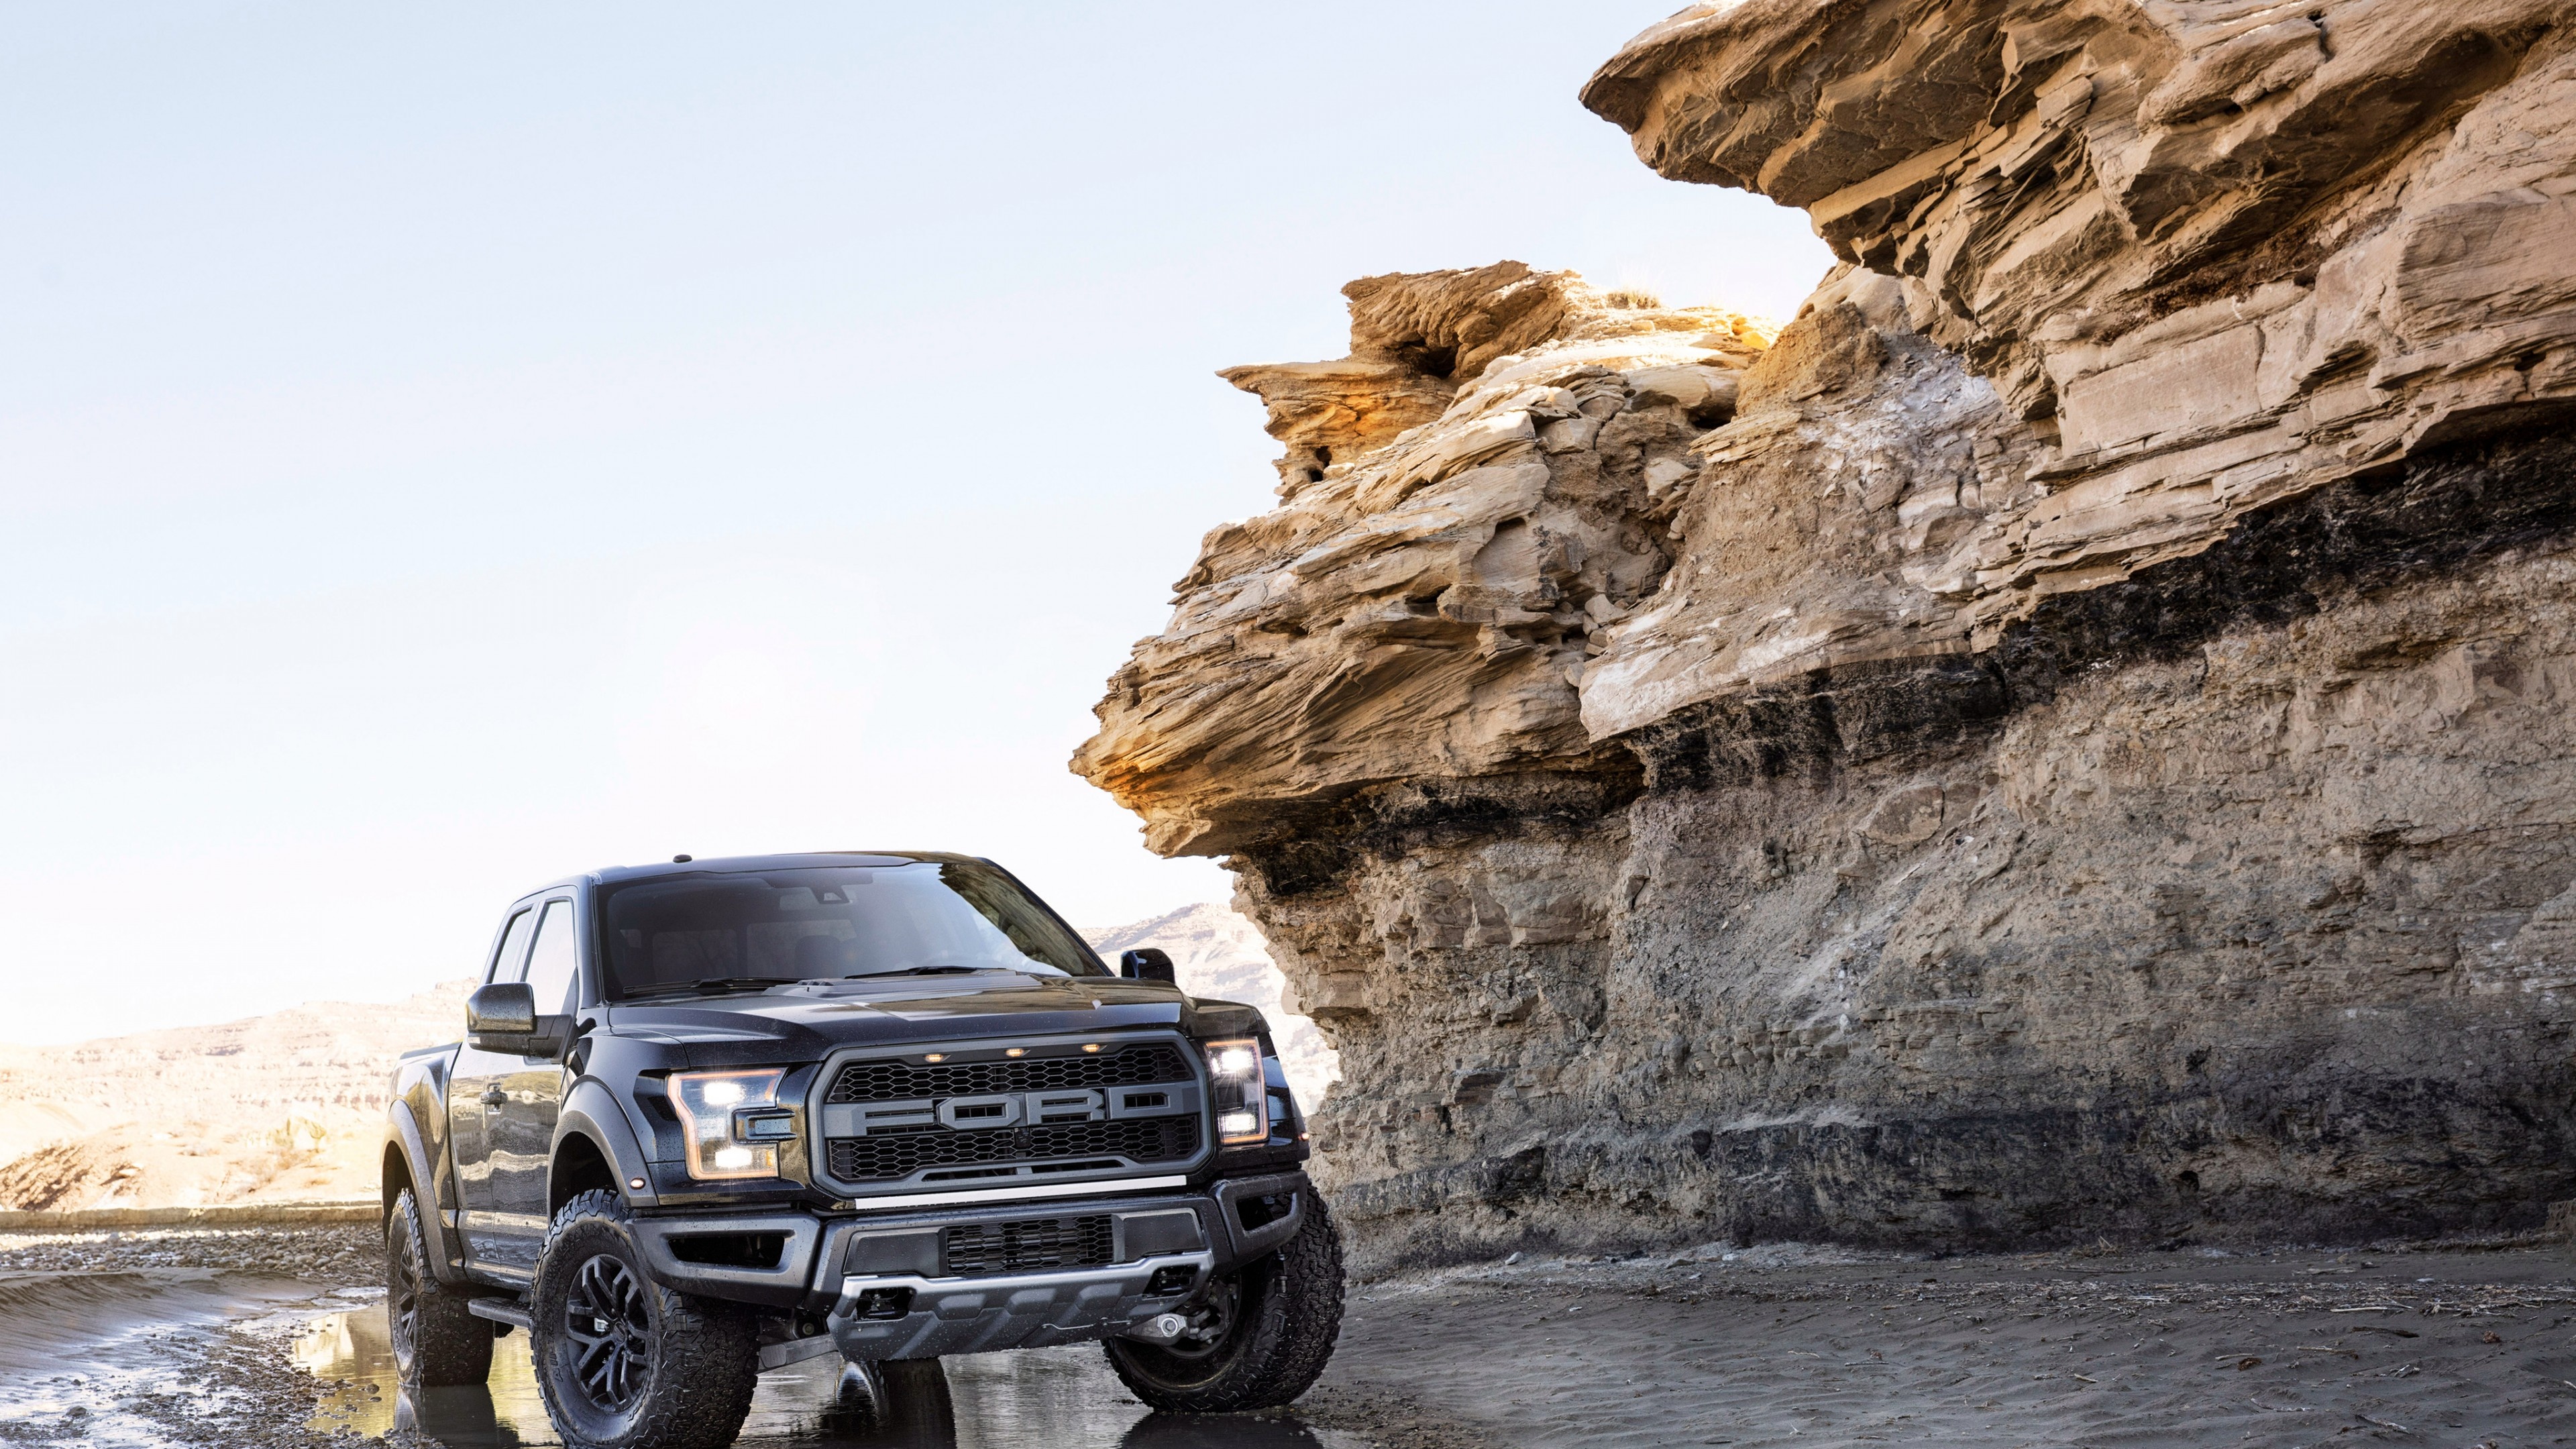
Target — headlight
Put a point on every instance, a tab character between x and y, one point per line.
731	1122
1241	1099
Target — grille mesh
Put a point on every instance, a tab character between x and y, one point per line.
1035	1243
1144	1139
903	1082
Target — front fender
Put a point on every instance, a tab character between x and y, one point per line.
591	1111
402	1129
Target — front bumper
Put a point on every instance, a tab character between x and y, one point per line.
1023	1310
886	1308
825	1265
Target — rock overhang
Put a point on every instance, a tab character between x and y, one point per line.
1467	500
2083	698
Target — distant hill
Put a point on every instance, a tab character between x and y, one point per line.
281	1107
1219	953
286	1107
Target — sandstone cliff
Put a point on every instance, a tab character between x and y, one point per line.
2070	737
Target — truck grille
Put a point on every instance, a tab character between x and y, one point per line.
883	1159
1037	1243
902	1081
1130	1106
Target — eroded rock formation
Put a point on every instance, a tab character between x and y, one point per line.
2069	738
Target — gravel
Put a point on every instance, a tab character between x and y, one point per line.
342	1255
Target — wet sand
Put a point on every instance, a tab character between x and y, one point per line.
1785	1346
276	1337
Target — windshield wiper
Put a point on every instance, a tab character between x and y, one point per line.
713	984
921	971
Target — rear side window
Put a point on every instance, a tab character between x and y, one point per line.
513	954
555	962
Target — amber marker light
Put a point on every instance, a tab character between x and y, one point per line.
936	1057
1091	1046
1015	1051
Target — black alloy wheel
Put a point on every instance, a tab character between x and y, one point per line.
402	1297
609	1334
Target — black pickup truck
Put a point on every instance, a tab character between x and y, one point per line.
714	1117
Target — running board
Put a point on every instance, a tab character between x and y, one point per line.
796	1350
499	1310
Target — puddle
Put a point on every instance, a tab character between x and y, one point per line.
108	1359
1053	1398
58	1321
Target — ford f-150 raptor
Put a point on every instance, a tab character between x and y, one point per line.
713	1117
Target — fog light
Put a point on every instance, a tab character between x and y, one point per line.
1238	1124
1167	1282
732	1159
885	1302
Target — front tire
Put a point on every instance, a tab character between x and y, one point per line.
911	1404
623	1362
1262	1332
436	1342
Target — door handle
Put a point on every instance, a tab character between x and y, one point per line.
493	1097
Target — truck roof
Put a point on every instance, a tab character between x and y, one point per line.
748	864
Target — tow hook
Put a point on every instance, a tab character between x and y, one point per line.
1161	1328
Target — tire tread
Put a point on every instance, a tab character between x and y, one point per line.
450	1345
710	1358
1301	1322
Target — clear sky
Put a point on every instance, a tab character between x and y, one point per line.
447	448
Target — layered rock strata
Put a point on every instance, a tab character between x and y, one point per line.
2067	738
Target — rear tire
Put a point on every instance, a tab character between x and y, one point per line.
1271	1325
436	1342
623	1362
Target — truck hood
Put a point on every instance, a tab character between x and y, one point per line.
809	1020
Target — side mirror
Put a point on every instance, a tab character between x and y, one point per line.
1146	964
502	1017
504	1008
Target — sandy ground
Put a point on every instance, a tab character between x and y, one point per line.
195	1338
1783	1346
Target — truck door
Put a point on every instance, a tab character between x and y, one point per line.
474	1097
523	1128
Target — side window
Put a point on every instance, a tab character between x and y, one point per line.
551	968
514	949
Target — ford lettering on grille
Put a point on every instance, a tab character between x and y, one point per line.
1053	1112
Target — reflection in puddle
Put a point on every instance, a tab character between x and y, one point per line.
115	1358
1053	1398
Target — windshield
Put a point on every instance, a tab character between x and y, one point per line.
830	923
